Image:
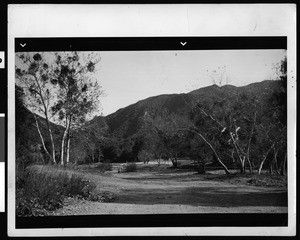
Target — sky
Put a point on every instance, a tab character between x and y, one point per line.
130	76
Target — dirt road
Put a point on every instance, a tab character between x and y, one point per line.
152	192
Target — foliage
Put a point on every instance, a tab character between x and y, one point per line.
243	127
273	125
145	156
86	142
120	149
130	167
103	167
61	88
33	78
39	192
77	91
162	139
200	167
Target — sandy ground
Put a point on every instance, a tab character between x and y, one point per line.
150	191
95	208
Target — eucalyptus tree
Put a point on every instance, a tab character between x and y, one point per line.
33	75
78	95
60	87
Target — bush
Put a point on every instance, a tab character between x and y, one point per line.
42	192
102	197
80	161
26	206
130	167
200	168
102	167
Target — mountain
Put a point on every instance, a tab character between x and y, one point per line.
126	121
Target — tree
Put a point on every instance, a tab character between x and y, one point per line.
60	86
189	124
274	122
145	156
274	135
110	148
33	76
78	93
242	131
87	141
201	154
160	137
230	117
219	76
170	127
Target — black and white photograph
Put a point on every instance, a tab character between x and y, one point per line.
151	132
151	128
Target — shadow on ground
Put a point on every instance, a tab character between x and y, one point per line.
205	196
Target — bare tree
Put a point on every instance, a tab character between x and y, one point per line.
219	76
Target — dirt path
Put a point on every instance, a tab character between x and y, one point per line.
175	192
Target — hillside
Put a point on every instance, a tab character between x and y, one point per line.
126	121
27	137
123	124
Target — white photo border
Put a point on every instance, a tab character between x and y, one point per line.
133	20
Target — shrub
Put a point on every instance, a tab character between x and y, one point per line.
130	167
105	166
43	192
80	161
27	206
102	197
200	168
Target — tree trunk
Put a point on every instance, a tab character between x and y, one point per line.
211	147
41	136
200	167
62	158
275	160
158	159
244	164
53	147
282	170
174	162
264	159
47	119
215	153
242	159
250	164
271	168
68	150
232	156
249	144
